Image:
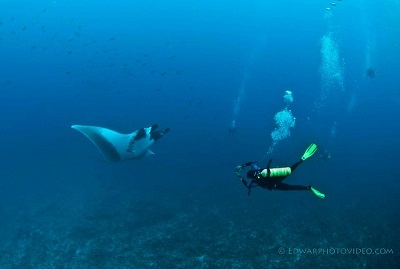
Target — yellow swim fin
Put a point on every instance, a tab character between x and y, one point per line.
309	152
317	193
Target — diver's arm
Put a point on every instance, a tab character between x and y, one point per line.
240	167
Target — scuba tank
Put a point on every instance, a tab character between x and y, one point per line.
275	172
280	172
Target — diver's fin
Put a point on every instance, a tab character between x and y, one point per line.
317	193
309	152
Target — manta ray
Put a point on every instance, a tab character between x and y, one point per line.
118	147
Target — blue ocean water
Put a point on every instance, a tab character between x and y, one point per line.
195	67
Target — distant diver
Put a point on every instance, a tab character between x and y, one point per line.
370	72
232	127
271	178
118	147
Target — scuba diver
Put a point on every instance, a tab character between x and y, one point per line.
232	127
370	72
271	178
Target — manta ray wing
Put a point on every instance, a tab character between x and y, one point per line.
109	142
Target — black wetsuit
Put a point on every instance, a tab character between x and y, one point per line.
275	183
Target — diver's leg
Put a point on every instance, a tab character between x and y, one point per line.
286	187
294	166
